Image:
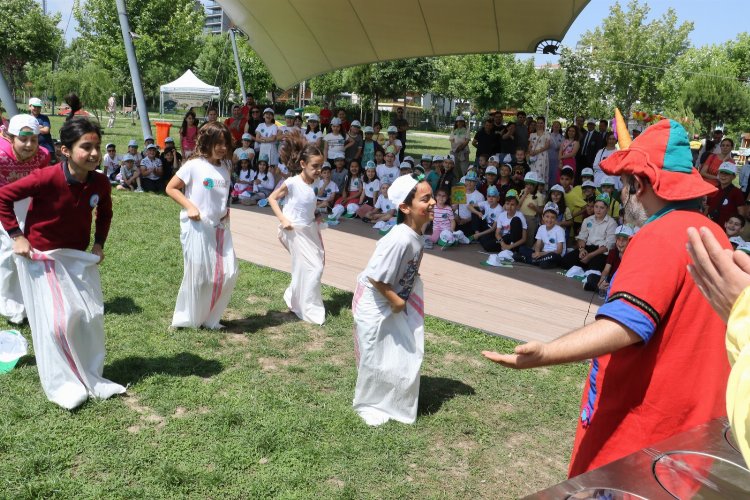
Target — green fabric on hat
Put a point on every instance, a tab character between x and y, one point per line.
677	157
604	198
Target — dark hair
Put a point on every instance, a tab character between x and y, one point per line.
739	217
565	136
560	205
75	128
184	126
377	124
348	176
409	197
209	136
541	117
728	139
74	102
521	113
212	108
294	149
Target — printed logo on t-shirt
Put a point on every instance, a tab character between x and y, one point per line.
208	183
589	224
407	280
94	200
552	240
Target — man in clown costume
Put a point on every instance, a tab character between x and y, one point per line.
658	361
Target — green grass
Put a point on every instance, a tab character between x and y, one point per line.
263	409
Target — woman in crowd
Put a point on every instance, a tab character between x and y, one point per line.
553	153
569	148
610	141
459	139
539	144
710	168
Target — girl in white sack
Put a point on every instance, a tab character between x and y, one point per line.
388	311
299	231
210	263
59	280
20	155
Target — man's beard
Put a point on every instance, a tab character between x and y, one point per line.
633	212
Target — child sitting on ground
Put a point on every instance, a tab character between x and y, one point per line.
263	183
733	227
564	217
370	190
473	199
325	190
608	186
130	175
549	246
443	218
485	218
530	205
243	187
510	231
388	172
384	209
339	173
622	238
111	163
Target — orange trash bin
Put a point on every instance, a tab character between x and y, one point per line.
162	132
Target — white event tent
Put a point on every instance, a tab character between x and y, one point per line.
187	87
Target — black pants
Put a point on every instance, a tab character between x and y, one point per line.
571	259
549	261
490	244
150	185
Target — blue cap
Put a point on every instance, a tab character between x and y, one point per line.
492	191
471	176
263	158
243	156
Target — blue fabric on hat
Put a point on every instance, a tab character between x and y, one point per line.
677	157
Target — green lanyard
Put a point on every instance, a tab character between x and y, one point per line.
675	205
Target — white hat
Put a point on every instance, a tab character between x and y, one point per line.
494	158
36	102
132	143
728	168
587	171
490	170
168	139
356	123
449	158
268	110
313	118
531	177
128	157
588	184
336	121
624	230
447	238
551	205
335	155
437	158
400	189
392	130
558	188
508	158
290	113
19	122
607	180
368	130
409	158
460	118
247	137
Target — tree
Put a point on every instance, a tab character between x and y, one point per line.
167	39
717	100
630	56
328	85
27	36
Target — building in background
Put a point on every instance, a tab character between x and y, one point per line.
216	21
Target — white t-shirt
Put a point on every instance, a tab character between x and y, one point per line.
473	198
355	184
372	188
151	165
491	214
313	136
249	151
111	165
503	222
207	187
384	204
267	182
550	239
335	143
247	176
395	261
323	194
300	201
387	174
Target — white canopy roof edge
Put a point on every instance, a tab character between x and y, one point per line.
188	83
299	39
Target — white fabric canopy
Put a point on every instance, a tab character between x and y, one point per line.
188	89
298	39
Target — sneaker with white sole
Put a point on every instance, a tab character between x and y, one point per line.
428	244
139	190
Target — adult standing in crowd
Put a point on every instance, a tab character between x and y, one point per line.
345	124
236	125
539	144
645	384
45	134
245	109
522	131
484	140
710	168
459	139
112	110
256	118
553	153
498	128
402	125
590	144
708	146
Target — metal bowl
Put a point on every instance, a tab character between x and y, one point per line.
695	475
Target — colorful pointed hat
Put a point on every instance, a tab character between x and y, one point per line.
662	155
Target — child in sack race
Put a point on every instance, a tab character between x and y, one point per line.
59	280
299	231
388	311
210	263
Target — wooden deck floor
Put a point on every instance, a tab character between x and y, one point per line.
523	303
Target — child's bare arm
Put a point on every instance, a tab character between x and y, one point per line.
273	200
397	303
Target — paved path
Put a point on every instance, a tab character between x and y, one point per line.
523	302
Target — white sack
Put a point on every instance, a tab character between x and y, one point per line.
210	272
63	297
303	295
389	349
11	302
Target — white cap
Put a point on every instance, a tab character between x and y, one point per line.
624	230
588	184
290	113
494	158
728	168
356	123
336	121
268	110
36	102
587	171
335	155
247	137
551	205
437	158
368	130
313	118
19	122
490	170
460	118
531	177
392	130
400	189
607	180
558	188
450	158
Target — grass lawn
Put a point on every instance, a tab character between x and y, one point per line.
263	409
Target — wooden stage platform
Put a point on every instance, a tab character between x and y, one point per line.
523	302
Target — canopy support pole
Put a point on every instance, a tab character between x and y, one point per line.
133	65
7	97
232	37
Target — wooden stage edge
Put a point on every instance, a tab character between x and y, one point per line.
522	303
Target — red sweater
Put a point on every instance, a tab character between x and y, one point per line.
61	208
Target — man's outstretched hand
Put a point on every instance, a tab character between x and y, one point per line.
528	355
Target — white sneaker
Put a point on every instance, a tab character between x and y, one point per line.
428	243
139	190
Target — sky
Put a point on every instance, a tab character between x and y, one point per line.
715	21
